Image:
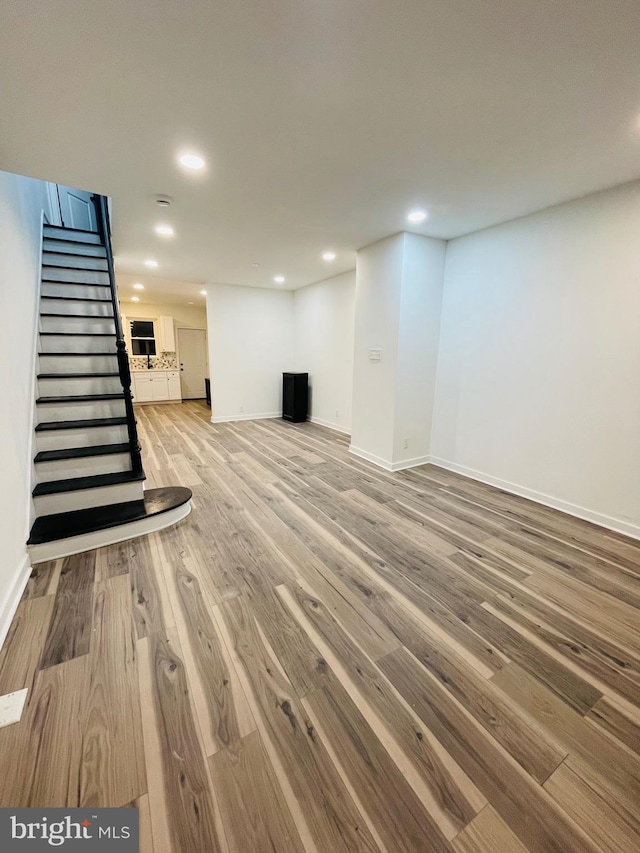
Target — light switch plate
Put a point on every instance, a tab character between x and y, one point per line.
11	707
375	354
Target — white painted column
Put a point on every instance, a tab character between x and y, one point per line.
397	317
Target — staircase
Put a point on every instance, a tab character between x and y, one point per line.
88	469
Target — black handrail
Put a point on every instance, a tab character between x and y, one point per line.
104	229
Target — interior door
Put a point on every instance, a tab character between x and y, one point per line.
76	209
192	350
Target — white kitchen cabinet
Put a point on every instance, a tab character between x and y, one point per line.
167	334
155	386
142	388
173	379
160	387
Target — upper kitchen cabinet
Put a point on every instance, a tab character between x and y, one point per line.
167	334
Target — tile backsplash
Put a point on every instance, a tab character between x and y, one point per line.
166	361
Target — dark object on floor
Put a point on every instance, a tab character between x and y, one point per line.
295	397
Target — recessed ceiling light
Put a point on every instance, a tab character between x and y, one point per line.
135	299
329	256
255	265
138	286
151	263
278	278
164	230
192	161
203	293
189	303
417	216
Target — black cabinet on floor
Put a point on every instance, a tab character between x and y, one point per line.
295	396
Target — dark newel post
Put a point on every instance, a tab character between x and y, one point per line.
102	214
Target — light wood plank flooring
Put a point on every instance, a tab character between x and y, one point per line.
325	657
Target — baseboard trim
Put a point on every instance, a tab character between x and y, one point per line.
387	464
410	463
12	598
30	512
611	523
158	402
370	457
330	425
229	418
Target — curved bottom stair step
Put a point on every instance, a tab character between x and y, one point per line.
62	534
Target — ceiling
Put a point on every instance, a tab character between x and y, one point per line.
156	289
323	122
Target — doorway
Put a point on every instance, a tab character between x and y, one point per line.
76	209
192	352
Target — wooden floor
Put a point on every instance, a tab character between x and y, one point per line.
328	657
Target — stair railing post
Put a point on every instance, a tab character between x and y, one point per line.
102	215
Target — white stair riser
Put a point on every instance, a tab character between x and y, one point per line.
60	439
73	387
47	412
76	262
85	498
65	248
66	469
77	364
88	291
61	306
82	343
81	276
86	325
70	234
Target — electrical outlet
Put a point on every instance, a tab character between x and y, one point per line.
337	413
11	706
241	409
405	443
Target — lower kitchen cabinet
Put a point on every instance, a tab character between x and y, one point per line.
155	386
173	379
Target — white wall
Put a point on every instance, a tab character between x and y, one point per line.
323	342
22	202
418	334
538	384
378	289
398	304
250	333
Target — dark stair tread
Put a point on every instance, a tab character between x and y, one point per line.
66	239
81	316
61	238
50	528
74	269
82	335
79	398
76	299
75	375
87	423
81	452
73	283
95	481
69	228
66	283
46	252
75	354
